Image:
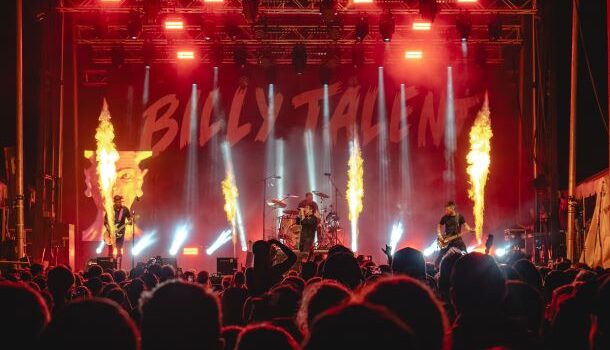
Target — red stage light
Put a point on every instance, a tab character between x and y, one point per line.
414	55
422	25
466	1
190	251
212	0
110	1
185	55
363	1
174	24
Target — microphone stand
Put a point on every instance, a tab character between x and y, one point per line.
133	234
264	181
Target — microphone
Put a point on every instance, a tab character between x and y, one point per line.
326	174
277	177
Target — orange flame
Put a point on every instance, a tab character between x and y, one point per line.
106	156
355	189
479	160
230	192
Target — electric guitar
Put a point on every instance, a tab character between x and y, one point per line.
119	232
443	242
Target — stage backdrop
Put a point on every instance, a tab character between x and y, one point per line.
180	116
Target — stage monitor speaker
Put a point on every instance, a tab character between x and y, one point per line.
226	266
169	261
106	262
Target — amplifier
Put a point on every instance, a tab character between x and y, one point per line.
226	266
106	262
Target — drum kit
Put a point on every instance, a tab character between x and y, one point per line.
288	228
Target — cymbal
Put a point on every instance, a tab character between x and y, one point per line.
290	211
277	203
321	194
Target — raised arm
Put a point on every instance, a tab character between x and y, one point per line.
291	257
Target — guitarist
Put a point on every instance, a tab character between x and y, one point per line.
453	223
309	218
121	216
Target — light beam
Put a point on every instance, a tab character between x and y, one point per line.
223	238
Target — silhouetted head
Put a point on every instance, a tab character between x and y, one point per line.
167	273
119	276
93	324
283	301
343	267
25	313
229	335
524	306
203	277
319	297
297	282
180	315
358	326
265	336
415	305
409	261
529	274
477	284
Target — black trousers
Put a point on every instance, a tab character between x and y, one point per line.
458	243
308	234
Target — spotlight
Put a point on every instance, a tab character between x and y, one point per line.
134	25
232	31
334	29
208	28
299	58
240	56
185	55
428	9
494	28
151	10
212	1
179	238
358	56
216	54
421	25
100	247
379	54
466	1
250	10
363	1
463	25
500	252
410	55
117	55
100	27
328	9
387	26
362	28
325	74
174	24
148	53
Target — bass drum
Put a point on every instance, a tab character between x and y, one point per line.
290	231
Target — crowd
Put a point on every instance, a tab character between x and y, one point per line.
336	301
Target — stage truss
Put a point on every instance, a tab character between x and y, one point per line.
215	31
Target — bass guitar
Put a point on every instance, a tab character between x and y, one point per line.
443	242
